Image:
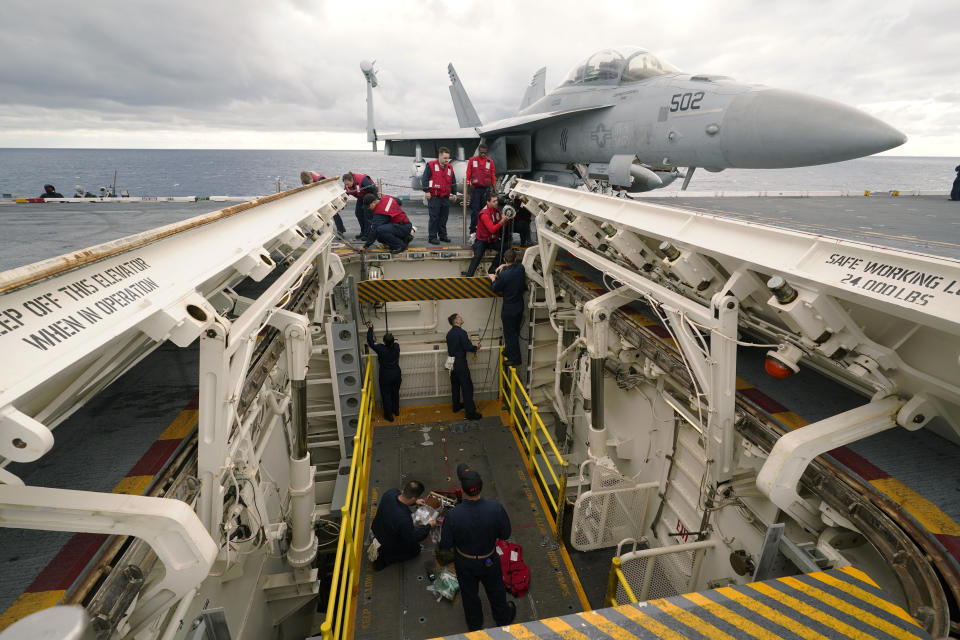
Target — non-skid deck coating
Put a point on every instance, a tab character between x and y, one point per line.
394	602
116	443
840	603
35	232
924	224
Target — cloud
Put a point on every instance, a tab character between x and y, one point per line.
252	70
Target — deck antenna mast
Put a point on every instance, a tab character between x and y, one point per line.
370	74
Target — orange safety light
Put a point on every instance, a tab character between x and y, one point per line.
777	369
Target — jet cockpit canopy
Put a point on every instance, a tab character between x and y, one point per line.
617	66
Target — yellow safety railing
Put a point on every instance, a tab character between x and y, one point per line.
544	460
344	585
617	578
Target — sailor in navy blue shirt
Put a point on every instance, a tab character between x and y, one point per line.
472	529
461	384
388	355
510	280
393	525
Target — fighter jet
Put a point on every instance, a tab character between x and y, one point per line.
629	118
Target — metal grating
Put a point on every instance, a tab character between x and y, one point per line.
663	572
425	377
662	585
612	510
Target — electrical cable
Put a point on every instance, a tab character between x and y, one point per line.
735	341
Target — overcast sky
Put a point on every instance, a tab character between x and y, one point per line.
285	75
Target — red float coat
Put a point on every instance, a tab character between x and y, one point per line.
480	172
356	191
441	179
488	226
388	206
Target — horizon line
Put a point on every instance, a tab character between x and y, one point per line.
883	155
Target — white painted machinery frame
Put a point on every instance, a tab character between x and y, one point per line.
874	319
192	267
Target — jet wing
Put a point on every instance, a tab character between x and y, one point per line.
517	123
404	143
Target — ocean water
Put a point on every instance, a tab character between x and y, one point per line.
196	172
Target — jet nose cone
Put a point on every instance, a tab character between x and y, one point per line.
773	128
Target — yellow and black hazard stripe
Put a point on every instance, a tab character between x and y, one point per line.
371	291
840	603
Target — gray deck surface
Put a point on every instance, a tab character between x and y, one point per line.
95	448
36	231
925	224
394	602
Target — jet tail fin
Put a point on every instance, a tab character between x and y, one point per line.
537	88
466	114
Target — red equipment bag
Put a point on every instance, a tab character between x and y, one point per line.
516	573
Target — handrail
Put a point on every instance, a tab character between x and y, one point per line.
342	603
525	418
617	578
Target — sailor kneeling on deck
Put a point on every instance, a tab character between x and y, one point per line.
393	525
472	528
388	224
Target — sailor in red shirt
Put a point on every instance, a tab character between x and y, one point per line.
359	185
481	176
308	177
388	224
488	236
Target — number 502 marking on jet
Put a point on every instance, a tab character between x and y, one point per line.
627	117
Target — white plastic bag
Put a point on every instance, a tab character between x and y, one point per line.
423	515
445	586
373	551
448	365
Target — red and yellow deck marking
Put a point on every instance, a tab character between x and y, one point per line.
926	513
51	585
